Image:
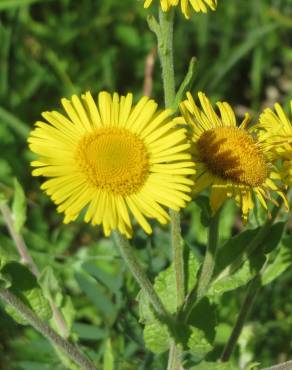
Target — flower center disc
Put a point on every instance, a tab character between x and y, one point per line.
113	159
231	153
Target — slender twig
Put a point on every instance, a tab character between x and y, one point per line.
18	240
148	74
68	348
249	299
207	270
139	274
28	260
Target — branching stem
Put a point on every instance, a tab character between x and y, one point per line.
68	348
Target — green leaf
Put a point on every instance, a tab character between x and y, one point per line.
227	277
95	293
231	281
280	264
5	258
232	249
157	337
107	278
203	317
201	332
53	293
226	221
274	236
24	285
18	206
89	332
165	287
206	213
50	285
254	366
187	83
198	344
68	312
108	357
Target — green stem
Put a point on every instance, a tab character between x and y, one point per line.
207	269
178	260
164	35
174	362
165	51
69	349
140	275
210	257
251	294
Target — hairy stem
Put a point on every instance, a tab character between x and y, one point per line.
28	260
165	50
68	348
139	274
18	240
174	362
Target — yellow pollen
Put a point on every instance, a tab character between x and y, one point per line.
114	160
232	154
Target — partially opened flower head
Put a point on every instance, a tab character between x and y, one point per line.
187	6
111	158
276	128
229	159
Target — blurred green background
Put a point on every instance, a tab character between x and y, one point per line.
54	48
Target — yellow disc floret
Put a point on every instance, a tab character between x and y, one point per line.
114	160
232	154
229	158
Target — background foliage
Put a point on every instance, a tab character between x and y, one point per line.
50	49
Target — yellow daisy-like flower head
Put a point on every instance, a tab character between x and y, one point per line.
187	6
112	158
276	128
229	159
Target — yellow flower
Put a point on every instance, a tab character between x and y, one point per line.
276	129
112	158
228	158
186	5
